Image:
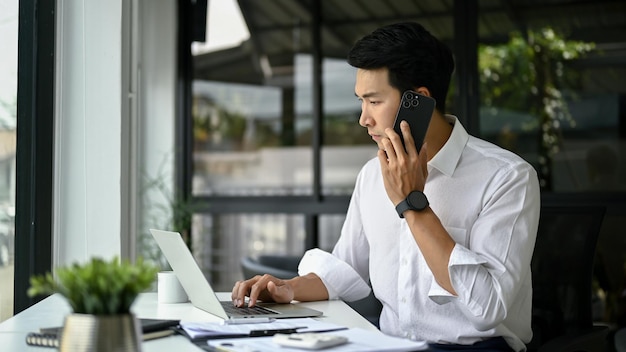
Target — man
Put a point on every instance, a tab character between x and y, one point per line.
453	269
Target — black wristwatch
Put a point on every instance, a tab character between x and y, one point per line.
416	200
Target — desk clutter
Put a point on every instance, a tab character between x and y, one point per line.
212	330
356	340
294	334
208	333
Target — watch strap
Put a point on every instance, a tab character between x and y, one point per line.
402	207
421	203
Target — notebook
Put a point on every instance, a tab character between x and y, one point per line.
201	294
151	329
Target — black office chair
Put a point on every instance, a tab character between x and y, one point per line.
562	271
280	266
286	267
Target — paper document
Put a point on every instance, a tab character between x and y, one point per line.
207	329
360	340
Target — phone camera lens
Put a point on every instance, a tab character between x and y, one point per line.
406	104
415	102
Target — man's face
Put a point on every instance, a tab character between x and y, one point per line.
379	102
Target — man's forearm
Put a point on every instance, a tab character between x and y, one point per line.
308	288
434	242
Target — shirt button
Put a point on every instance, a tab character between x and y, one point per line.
403	261
403	300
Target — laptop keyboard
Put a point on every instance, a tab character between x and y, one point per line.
256	310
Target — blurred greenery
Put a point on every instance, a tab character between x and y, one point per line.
164	208
176	213
97	287
529	74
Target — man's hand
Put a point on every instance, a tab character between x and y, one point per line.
265	288
402	171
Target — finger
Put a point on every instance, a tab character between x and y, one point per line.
235	293
394	138
257	288
240	291
382	157
409	143
390	153
396	144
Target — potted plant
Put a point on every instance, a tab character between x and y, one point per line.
100	293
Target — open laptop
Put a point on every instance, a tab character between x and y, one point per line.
203	296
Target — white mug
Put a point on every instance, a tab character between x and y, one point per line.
169	289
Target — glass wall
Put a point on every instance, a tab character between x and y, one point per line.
257	139
346	145
550	94
552	90
8	113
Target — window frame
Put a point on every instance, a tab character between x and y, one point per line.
35	146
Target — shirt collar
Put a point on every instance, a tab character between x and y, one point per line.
449	155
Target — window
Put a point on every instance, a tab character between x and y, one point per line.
8	118
551	90
551	96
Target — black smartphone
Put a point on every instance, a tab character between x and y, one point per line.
417	110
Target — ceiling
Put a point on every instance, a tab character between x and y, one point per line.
280	28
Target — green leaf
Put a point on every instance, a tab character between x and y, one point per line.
97	287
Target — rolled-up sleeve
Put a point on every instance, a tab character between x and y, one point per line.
488	276
340	279
344	272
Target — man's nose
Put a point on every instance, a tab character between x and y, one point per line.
365	119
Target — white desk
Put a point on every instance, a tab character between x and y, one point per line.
52	311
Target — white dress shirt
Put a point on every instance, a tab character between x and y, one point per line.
487	198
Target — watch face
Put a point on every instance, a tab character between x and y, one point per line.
417	200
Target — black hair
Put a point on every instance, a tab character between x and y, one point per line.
413	56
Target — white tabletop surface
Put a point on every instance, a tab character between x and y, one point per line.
51	312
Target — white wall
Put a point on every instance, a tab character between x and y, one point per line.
100	131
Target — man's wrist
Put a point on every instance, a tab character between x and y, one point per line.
416	200
308	287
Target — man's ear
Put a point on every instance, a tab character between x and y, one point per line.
423	91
